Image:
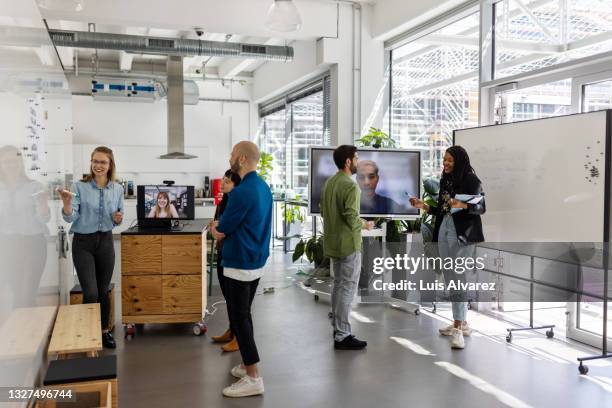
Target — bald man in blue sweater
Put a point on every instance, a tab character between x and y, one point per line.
244	228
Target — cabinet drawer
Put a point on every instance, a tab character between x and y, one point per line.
141	254
141	295
182	293
182	254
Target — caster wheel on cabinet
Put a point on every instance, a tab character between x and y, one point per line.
199	329
129	331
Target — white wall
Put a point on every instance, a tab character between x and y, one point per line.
392	17
137	132
274	78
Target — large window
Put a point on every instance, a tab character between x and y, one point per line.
435	90
533	34
273	140
536	102
306	130
520	59
287	132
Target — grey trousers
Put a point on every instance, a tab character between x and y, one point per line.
450	246
346	278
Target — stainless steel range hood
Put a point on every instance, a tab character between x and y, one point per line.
176	110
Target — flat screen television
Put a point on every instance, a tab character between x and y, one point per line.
159	205
387	179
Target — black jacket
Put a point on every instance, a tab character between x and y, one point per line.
467	222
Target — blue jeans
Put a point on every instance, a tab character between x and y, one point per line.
449	246
346	277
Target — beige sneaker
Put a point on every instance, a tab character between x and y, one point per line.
448	330
245	387
239	371
457	341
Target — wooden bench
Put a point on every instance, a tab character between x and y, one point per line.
76	297
76	330
87	395
83	371
26	332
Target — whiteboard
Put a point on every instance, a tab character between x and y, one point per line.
544	180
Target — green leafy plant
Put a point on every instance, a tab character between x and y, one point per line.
312	248
293	213
431	188
377	139
264	167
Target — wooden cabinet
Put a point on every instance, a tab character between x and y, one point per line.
141	254
181	255
182	293
161	277
141	295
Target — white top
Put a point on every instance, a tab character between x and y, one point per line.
244	275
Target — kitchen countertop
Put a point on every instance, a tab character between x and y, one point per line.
189	227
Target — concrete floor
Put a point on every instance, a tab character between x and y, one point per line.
406	363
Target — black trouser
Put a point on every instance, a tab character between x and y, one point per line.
94	260
223	283
239	300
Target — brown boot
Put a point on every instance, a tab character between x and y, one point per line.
224	338
231	346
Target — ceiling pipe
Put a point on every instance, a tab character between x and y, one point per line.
169	46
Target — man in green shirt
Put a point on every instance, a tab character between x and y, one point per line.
340	200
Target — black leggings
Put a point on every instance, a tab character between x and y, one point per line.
239	300
223	283
94	260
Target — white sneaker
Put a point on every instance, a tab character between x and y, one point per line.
239	371
448	330
457	341
245	387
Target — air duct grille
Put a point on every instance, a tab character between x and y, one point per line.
254	49
160	43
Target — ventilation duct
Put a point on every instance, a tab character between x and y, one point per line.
176	110
169	46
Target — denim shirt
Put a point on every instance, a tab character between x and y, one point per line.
93	207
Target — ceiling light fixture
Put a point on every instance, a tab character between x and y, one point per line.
283	16
62	5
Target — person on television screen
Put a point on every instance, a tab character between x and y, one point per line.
163	207
371	201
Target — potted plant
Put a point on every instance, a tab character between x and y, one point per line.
312	248
377	139
293	217
431	188
264	167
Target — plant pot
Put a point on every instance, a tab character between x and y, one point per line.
295	228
